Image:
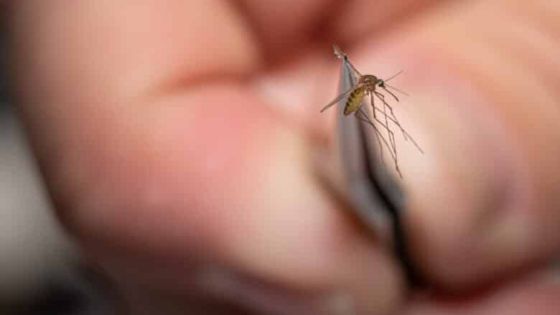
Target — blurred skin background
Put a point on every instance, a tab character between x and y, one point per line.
179	143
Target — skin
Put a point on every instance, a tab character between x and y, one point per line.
175	140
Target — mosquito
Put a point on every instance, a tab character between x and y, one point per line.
371	86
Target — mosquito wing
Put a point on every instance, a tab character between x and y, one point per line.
339	98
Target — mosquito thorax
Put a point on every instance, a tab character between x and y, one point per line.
369	81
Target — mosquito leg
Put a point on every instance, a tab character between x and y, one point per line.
385	104
391	93
389	131
372	104
392	136
375	109
394	119
393	116
362	116
385	124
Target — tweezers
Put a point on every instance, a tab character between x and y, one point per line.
373	192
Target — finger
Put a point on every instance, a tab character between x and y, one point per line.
98	84
484	197
158	157
282	27
360	19
286	28
482	200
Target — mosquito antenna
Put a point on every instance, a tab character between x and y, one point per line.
393	76
392	87
338	98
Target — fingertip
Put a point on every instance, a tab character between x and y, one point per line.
478	209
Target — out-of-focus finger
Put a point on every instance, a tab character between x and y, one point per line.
483	80
158	156
105	88
285	28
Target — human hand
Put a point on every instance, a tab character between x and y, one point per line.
155	127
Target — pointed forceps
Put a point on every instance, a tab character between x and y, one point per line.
373	192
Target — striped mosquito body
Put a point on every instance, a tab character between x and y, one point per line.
373	87
354	101
366	86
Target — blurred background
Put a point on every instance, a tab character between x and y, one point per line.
40	270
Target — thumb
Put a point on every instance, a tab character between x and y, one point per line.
484	199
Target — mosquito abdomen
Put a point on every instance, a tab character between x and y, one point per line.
354	101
